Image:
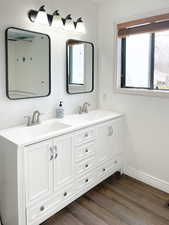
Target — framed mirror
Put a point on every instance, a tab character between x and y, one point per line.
28	69
79	66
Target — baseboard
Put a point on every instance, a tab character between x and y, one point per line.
148	179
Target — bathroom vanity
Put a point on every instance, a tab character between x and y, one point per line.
45	167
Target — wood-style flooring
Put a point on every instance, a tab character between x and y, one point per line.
123	201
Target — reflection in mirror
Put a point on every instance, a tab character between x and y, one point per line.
28	64
80	67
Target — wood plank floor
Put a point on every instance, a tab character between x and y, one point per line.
123	201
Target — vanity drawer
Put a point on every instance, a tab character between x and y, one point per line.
41	209
86	181
84	151
68	192
85	166
84	136
103	170
117	162
109	168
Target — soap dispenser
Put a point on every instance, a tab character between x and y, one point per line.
60	111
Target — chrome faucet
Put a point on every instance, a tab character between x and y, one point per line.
36	117
84	108
34	120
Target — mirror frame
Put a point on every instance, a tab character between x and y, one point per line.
67	68
6	57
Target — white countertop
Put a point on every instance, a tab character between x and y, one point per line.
22	135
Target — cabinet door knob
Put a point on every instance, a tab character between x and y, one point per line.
51	154
86	135
115	161
110	131
103	169
86	165
86	180
86	150
65	194
42	208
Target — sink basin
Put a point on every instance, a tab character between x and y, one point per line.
95	115
45	128
24	134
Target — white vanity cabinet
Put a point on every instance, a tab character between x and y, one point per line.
38	179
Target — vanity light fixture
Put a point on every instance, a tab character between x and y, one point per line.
40	16
80	26
56	21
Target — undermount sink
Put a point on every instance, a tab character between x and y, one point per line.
27	133
45	128
95	115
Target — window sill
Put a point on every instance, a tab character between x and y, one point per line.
143	92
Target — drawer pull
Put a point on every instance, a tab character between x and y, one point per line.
86	135
86	165
86	150
65	194
86	181
42	208
103	169
51	154
110	131
115	161
56	152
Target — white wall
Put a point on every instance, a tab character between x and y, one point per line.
14	13
147	117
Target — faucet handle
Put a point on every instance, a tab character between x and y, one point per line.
28	120
38	117
85	107
80	110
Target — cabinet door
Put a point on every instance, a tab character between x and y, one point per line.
118	136
39	171
108	138
63	162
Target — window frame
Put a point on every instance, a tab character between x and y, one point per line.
152	67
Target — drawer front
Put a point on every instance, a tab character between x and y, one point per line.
85	151
85	182
68	192
85	166
39	210
109	167
103	170
117	162
84	136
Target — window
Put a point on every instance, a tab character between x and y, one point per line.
145	53
78	61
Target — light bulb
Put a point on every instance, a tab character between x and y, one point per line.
57	20
80	26
69	24
41	17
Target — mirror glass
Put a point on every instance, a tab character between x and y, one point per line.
80	67
28	64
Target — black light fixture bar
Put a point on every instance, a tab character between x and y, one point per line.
32	14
